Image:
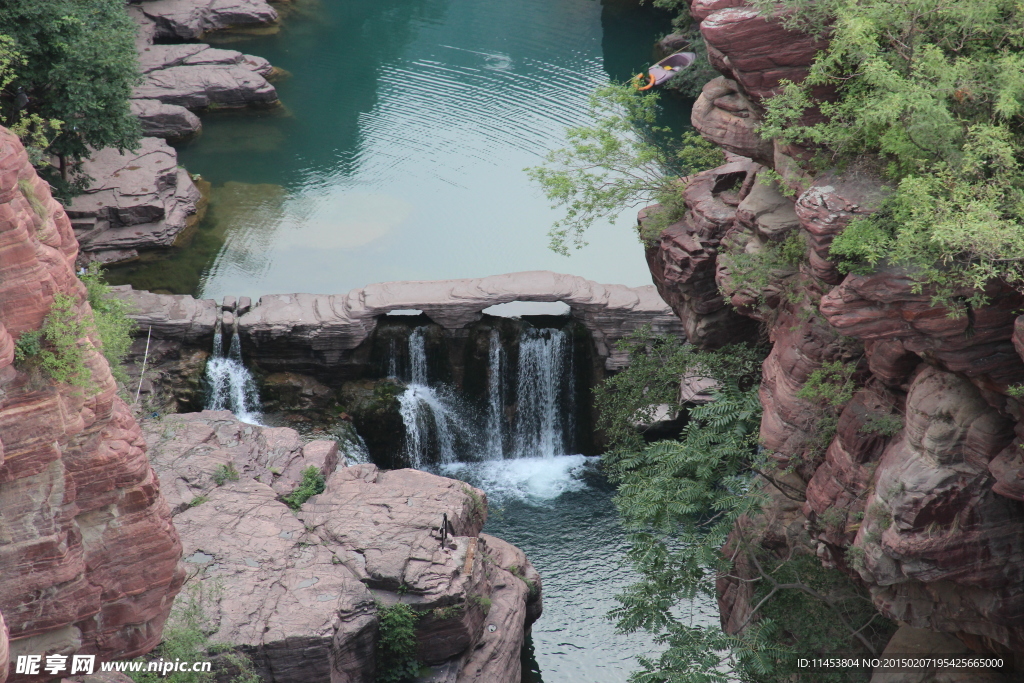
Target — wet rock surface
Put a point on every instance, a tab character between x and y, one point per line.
300	590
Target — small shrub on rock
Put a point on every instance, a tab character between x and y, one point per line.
313	481
396	644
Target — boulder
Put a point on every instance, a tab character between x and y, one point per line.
89	555
161	120
137	200
193	452
198	76
190	19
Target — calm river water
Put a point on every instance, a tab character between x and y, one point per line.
400	149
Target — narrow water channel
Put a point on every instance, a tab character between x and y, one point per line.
399	152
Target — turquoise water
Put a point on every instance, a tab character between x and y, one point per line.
399	151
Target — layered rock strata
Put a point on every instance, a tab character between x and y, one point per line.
916	493
299	591
89	555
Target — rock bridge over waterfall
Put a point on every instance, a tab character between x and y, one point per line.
304	331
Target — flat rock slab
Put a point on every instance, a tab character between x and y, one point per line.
174	317
327	325
299	590
199	77
189	19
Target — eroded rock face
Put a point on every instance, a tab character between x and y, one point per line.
754	51
828	206
883	308
723	115
683	260
298	589
89	556
941	550
918	493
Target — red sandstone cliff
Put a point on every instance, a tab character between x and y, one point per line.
941	544
88	555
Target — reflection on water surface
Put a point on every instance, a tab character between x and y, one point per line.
399	153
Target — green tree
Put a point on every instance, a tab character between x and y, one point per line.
618	162
931	93
680	501
70	61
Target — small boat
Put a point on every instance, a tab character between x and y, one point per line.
667	68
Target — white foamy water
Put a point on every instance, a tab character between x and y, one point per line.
231	385
535	479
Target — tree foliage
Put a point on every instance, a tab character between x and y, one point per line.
934	92
681	500
110	321
67	68
616	163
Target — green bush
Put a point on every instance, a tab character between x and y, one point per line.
110	321
312	483
62	357
29	345
396	644
930	94
225	473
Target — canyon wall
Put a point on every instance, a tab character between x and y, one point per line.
919	494
88	555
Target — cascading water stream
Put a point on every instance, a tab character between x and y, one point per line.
495	398
440	428
539	428
231	385
430	416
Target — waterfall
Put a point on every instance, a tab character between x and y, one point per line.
440	428
231	386
495	398
432	423
433	418
418	357
542	378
